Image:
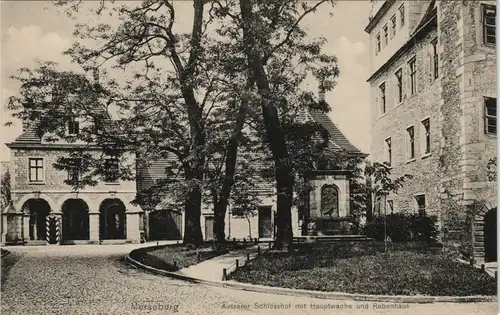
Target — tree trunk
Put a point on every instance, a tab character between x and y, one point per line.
195	171
192	214
230	168
276	136
369	200
249	228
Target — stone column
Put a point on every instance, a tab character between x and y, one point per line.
19	228
133	233
94	227
26	227
5	229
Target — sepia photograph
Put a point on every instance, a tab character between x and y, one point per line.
248	157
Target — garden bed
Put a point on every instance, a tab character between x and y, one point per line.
175	257
362	267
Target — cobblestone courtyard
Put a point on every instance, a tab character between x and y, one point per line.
96	280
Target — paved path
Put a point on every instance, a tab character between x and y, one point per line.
94	280
212	269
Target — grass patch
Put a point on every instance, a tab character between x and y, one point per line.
175	257
362	267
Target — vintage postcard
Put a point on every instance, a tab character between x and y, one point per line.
248	157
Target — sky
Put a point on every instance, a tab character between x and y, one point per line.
32	30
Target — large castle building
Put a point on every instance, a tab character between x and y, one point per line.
433	113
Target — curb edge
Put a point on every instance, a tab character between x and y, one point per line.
315	294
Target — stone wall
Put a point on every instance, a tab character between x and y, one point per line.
56	192
470	67
454	176
451	111
400	116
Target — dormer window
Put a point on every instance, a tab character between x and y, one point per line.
386	35
402	15
73	127
379	44
393	26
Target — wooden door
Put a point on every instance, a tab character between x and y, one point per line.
209	228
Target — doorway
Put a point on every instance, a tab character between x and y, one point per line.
265	223
112	220
209	228
490	235
75	220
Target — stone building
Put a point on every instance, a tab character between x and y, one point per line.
104	213
433	92
328	200
97	214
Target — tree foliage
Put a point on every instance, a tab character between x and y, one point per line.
5	192
190	98
492	169
380	183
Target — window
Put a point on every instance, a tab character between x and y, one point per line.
413	75
411	142
378	44
388	151
420	199
399	89
489	15
390	206
426	138
36	170
386	35
382	98
435	59
490	115
111	174
73	127
393	26
402	15
74	170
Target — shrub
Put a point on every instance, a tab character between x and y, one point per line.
425	228
403	228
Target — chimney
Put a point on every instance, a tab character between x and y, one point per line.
321	93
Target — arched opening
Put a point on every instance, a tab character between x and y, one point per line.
75	220
112	220
330	201
38	210
490	235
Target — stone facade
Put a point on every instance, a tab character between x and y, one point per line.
56	194
398	117
453	176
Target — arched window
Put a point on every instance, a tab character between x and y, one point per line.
330	201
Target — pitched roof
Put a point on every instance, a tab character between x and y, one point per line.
337	138
155	170
29	136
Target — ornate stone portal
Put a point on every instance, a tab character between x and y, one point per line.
328	212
